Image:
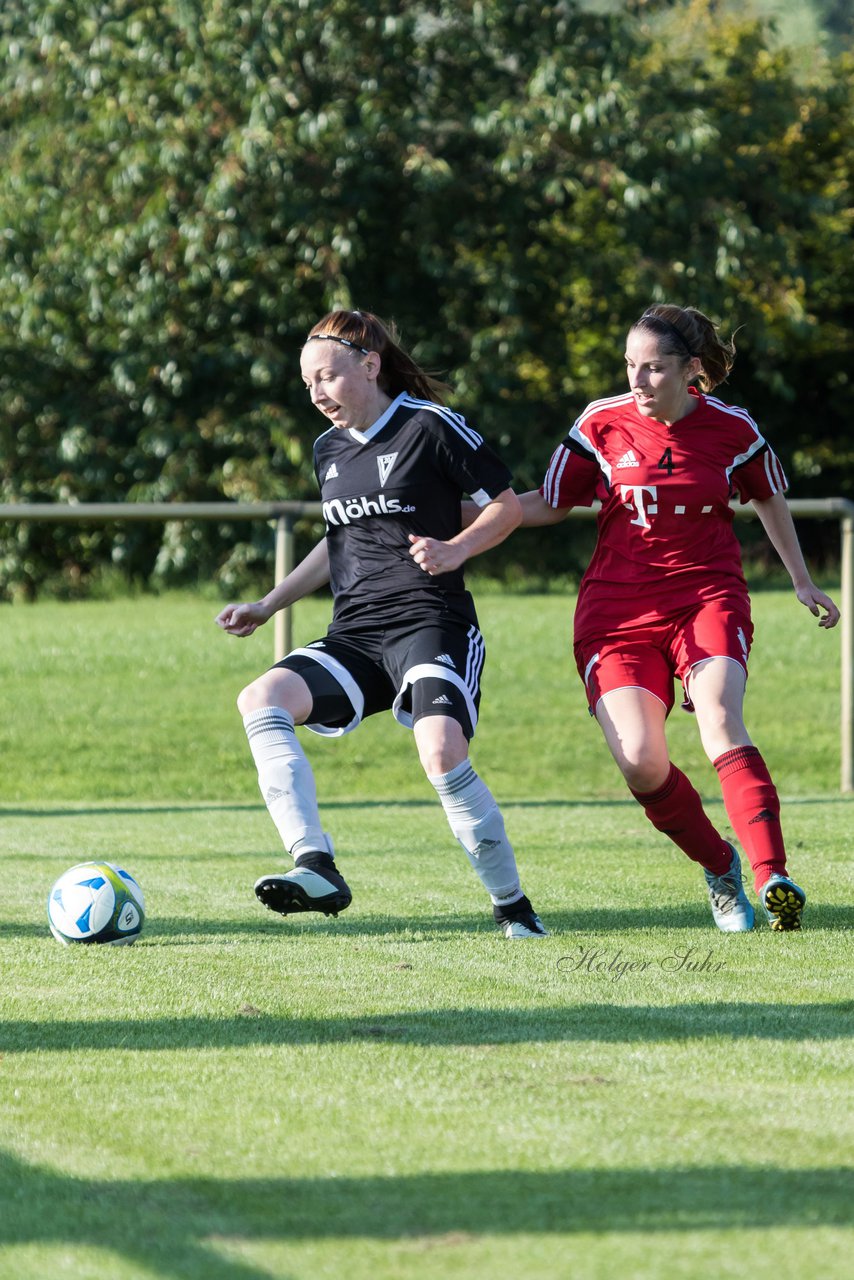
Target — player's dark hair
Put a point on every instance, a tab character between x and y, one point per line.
686	332
365	332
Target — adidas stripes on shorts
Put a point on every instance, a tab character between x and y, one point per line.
414	669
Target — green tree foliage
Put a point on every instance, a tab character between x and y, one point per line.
186	186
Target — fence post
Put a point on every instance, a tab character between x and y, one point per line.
283	620
847	675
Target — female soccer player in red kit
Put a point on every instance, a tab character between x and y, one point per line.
664	595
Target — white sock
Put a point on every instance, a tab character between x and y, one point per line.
476	822
286	780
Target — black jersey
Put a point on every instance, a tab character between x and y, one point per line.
406	474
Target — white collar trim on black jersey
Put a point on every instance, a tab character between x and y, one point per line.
364	436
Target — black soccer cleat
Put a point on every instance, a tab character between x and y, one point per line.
519	920
306	888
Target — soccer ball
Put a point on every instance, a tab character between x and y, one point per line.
96	902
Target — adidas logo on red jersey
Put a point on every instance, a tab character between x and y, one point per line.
628	460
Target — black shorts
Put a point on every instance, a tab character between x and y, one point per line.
416	669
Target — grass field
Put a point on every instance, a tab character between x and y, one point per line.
400	1093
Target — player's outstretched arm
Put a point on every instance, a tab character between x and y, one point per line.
778	524
490	525
536	511
308	576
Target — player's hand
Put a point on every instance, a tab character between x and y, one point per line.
242	619
815	601
433	556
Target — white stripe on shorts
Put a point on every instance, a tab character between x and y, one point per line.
347	683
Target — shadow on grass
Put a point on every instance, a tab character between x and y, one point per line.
819	917
183	931
111	808
437	927
595	1020
593	920
166	1226
142	808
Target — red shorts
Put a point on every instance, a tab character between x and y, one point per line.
652	657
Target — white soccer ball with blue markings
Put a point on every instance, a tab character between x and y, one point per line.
96	902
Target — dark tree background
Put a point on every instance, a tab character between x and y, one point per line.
186	186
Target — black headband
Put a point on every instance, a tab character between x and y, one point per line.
333	337
670	327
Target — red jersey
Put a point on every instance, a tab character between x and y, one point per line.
665	528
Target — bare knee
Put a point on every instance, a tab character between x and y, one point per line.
645	773
248	700
277	688
441	745
632	721
642	758
716	689
721	732
438	762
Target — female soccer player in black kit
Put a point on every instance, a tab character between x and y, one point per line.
664	596
392	468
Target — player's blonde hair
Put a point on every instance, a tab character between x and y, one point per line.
686	332
363	332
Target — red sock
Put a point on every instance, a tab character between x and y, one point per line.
677	811
753	805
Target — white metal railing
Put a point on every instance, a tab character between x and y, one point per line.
285	515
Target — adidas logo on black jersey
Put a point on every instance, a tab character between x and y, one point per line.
444	657
332	473
442	701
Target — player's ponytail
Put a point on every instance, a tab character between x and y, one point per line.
365	332
686	332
